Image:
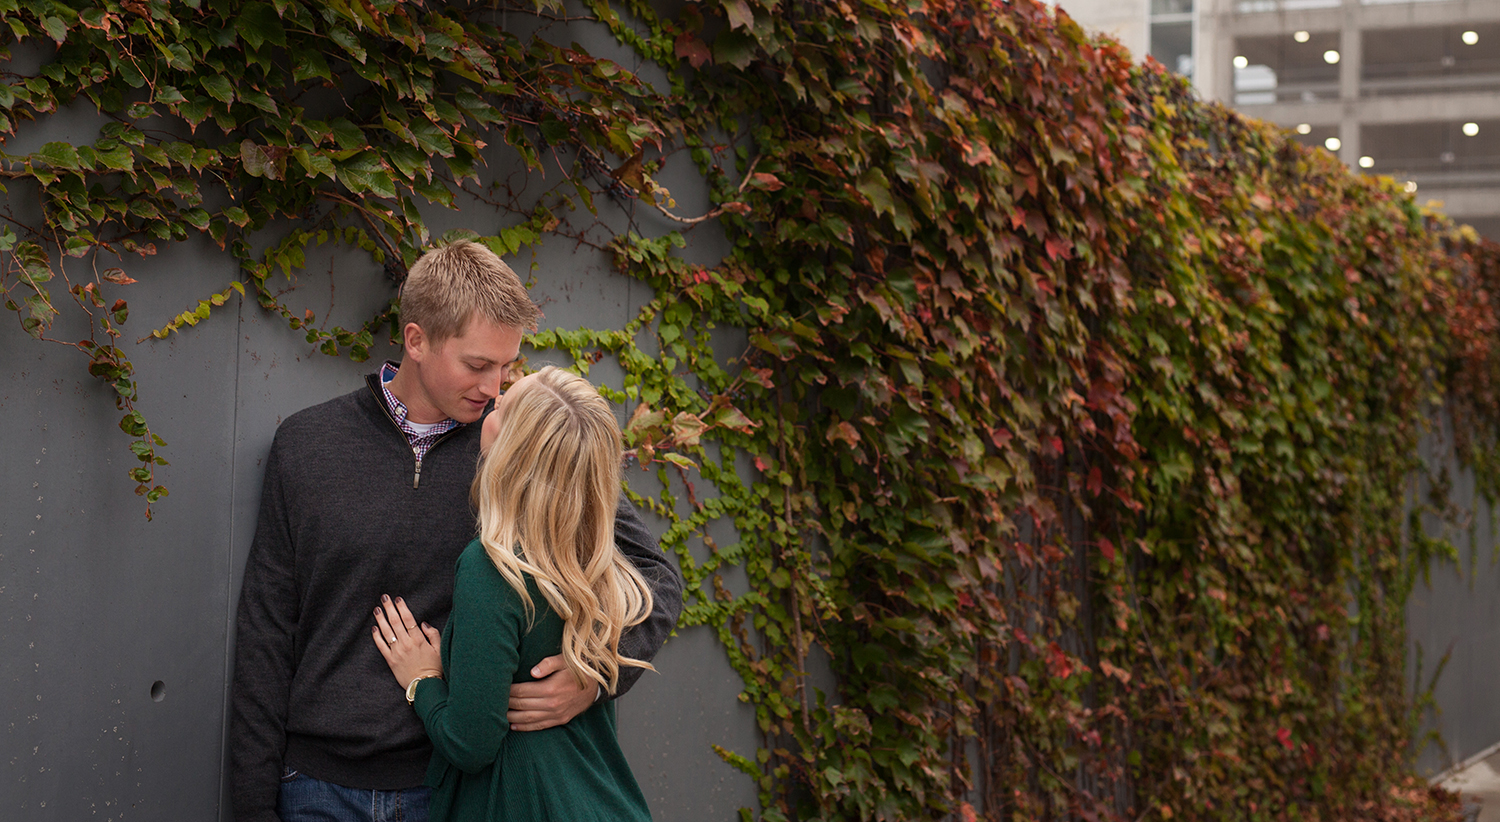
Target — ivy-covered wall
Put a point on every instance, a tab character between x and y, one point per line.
1067	425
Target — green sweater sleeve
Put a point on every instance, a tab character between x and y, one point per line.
465	711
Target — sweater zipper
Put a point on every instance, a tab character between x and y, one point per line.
416	477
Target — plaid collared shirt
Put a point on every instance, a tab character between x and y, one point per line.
421	442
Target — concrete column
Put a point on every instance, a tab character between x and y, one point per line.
1351	62
1215	50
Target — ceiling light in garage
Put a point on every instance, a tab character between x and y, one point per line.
1301	36
1411	186
1367	161
1330	56
1241	61
1304	128
1471	37
1333	143
1471	129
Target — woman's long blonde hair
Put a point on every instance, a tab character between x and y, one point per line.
546	494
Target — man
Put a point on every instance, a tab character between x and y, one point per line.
369	493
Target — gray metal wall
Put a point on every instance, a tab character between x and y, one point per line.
98	606
1456	613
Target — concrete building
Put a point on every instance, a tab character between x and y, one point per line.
1406	88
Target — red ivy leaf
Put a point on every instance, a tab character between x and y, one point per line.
690	48
979	154
1110	669
1061	666
769	182
844	432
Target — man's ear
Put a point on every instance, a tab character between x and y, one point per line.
414	340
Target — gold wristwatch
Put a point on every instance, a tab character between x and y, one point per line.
411	689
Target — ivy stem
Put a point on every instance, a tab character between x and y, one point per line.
799	641
715	212
363	213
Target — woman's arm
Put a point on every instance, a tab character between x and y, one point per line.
465	714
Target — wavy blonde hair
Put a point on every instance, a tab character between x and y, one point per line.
546	494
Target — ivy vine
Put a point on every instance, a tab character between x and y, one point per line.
1082	412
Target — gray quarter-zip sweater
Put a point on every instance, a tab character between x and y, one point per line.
340	524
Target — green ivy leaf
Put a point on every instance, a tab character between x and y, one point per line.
133	424
218	87
310	65
258	24
178	57
874	185
347	135
119	158
735	48
431	139
55	28
554	131
434	191
349	43
58	155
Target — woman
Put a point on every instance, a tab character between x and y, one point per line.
543	577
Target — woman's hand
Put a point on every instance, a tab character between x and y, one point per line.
410	652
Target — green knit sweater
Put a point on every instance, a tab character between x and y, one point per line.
481	771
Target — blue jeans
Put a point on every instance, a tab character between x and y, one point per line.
306	799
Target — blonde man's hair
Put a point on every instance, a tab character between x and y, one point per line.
546	494
450	284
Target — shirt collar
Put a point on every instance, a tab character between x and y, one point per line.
398	408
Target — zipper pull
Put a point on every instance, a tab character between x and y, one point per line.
417	477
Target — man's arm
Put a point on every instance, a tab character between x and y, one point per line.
556	697
643	641
264	628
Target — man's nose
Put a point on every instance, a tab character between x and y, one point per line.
490	386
